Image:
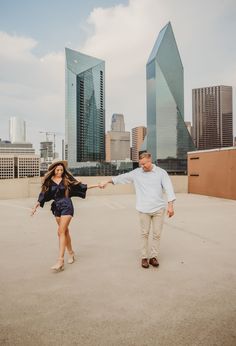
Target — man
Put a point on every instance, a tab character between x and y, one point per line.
149	182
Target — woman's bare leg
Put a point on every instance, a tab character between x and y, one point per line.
62	230
68	238
68	242
63	223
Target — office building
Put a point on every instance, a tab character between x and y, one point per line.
47	154
189	127
17	130
138	135
19	166
6	147
63	149
167	136
46	151
7	166
118	123
28	166
212	117
18	160
117	140
85	108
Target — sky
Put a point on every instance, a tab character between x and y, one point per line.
34	34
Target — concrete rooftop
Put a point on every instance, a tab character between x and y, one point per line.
105	298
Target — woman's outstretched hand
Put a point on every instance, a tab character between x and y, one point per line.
34	209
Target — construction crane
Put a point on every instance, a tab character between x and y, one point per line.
47	134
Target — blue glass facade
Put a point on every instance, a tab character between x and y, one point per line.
85	108
168	138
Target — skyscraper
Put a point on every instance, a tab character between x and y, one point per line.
46	151
189	127
17	131
167	136
138	135
85	108
117	140
117	122
212	117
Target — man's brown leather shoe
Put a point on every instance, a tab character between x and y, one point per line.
145	263
154	262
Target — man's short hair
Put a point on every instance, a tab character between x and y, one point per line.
145	155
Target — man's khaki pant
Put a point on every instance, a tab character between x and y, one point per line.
155	220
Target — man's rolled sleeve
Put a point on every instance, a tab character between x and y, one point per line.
168	187
126	178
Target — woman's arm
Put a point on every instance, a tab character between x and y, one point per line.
88	186
92	186
33	210
43	197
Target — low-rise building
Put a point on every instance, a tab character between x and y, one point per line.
19	166
6	166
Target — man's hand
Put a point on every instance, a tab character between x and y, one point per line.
103	184
170	209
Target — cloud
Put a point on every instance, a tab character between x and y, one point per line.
31	87
16	48
124	35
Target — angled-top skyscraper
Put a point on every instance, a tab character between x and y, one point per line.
84	109
167	136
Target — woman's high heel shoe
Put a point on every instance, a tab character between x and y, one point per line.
71	257
59	266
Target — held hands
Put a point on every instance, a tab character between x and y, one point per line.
103	184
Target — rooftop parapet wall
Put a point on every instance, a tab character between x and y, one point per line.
30	187
213	172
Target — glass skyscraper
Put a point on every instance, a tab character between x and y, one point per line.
84	109
167	136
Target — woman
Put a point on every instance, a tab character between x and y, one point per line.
60	185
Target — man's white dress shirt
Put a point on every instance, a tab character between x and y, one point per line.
149	187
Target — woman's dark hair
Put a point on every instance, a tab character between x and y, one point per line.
67	178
